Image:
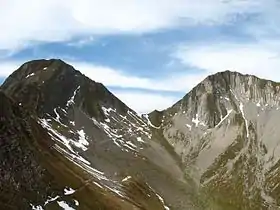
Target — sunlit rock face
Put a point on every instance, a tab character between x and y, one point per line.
226	132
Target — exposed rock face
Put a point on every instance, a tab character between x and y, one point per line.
104	143
19	168
226	130
67	140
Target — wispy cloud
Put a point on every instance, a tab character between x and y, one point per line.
81	42
30	21
181	82
259	58
144	102
8	67
155	71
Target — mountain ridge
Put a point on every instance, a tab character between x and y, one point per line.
216	148
102	137
223	129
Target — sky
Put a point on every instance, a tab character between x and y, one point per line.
149	53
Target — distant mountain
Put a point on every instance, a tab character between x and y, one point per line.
68	142
226	131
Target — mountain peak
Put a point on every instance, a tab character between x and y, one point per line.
226	79
234	78
44	85
40	67
220	93
226	129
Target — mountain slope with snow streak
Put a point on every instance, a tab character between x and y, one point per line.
226	133
101	138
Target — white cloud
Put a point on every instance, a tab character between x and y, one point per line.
260	59
181	82
144	102
27	21
81	42
7	68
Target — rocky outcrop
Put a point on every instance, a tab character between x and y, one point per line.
225	129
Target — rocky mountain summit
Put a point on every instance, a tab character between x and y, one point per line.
68	143
110	147
226	133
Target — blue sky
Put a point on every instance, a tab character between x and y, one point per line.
148	53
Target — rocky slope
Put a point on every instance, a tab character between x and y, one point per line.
35	176
68	142
96	151
226	131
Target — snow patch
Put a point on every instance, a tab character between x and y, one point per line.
139	139
131	144
82	164
29	75
68	191
150	123
76	203
106	111
82	143
57	118
223	119
195	120
189	126
162	201
98	185
55	135
116	191
51	200
202	123
72	156
36	207
71	101
64	205
241	106
126	178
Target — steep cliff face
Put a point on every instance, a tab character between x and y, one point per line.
101	138
226	131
